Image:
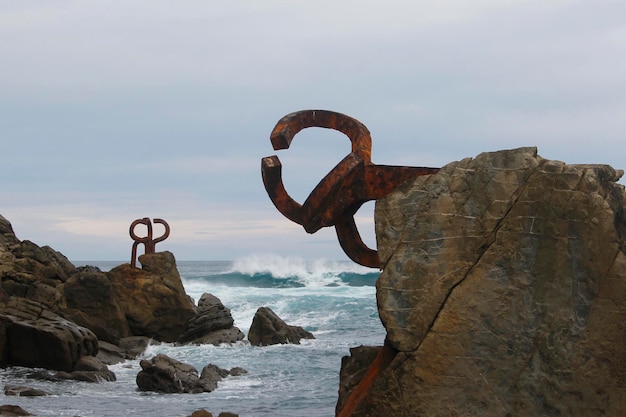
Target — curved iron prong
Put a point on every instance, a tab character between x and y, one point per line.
166	233
333	195
146	221
271	170
352	244
287	127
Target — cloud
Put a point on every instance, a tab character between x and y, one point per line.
116	111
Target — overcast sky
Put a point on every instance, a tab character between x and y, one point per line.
116	110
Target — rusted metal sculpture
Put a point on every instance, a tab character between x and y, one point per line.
148	241
339	195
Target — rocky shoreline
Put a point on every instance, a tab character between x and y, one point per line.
75	321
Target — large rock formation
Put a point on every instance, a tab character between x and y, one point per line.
52	313
33	336
153	298
503	290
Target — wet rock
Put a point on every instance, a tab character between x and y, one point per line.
213	324
88	369
167	375
86	376
13	411
269	329
237	371
134	346
22	391
110	354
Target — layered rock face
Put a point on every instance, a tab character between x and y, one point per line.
53	314
153	298
504	290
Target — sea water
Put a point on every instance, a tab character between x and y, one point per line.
334	300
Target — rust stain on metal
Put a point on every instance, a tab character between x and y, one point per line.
148	241
339	195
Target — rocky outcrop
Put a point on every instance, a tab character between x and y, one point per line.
89	301
30	271
167	375
36	337
153	298
213	324
44	298
269	329
503	290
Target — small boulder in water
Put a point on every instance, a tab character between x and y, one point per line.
22	391
13	410
167	375
213	324
269	329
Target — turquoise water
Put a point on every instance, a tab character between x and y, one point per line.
333	300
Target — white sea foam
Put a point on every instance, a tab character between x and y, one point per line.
311	273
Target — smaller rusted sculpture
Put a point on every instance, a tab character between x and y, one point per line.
148	241
339	195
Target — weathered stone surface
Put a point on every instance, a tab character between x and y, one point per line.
128	348
213	324
89	301
13	411
153	298
353	368
88	369
269	329
37	337
167	375
30	271
22	391
119	306
504	288
134	346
